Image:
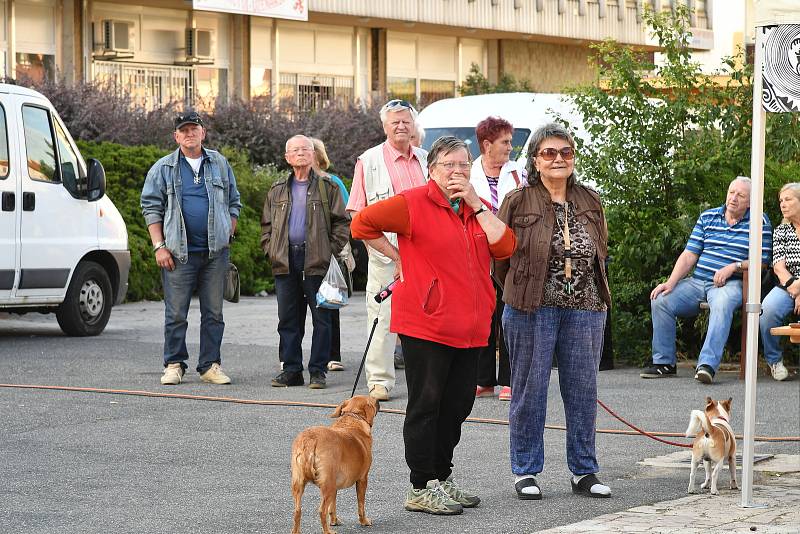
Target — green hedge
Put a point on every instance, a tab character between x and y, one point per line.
126	168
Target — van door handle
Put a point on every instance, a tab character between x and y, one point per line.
28	201
9	201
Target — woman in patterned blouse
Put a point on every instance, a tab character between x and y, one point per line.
785	297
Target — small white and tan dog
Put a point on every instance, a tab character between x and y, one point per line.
714	442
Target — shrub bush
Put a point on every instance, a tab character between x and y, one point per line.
96	112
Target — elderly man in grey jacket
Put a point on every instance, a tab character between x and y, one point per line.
191	205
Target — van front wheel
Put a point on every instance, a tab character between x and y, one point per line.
87	306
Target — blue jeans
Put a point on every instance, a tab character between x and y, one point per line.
207	276
776	306
575	337
684	301
295	292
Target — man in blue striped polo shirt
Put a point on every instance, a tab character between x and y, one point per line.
717	250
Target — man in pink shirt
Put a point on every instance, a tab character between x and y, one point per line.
381	172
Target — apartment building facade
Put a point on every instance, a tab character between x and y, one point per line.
317	51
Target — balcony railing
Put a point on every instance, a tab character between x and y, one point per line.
150	86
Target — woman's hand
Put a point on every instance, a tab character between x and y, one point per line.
460	187
794	289
797	305
398	270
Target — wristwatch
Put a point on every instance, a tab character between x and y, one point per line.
789	282
160	244
481	210
738	266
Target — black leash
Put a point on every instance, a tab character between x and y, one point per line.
382	295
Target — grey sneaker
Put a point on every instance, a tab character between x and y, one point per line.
779	371
432	500
459	494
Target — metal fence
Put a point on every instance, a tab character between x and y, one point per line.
312	92
150	86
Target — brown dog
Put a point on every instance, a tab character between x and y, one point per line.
335	457
714	443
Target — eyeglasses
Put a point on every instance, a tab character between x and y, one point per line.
298	150
452	165
550	154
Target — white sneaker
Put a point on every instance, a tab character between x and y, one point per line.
173	373
779	372
214	375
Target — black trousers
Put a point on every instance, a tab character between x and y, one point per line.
441	384
336	337
490	371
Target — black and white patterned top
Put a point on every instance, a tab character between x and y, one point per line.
786	246
586	294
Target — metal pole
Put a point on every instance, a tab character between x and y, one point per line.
753	307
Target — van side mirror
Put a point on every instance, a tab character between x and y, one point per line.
96	186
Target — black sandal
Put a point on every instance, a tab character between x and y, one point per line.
527	483
584	487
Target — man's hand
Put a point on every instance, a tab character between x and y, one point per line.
164	259
722	275
665	289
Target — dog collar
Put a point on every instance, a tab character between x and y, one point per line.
357	416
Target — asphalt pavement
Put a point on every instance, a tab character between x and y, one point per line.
99	462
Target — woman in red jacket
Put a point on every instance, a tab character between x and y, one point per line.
441	308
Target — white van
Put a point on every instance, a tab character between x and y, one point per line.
525	111
63	243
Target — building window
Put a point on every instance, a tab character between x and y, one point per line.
433	90
312	92
36	67
403	88
211	85
260	82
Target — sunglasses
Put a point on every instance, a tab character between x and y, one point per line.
550	154
398	104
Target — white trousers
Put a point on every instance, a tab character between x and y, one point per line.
380	357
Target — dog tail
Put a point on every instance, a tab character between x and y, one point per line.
304	462
697	422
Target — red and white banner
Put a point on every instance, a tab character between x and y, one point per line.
279	9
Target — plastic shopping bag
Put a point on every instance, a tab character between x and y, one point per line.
332	293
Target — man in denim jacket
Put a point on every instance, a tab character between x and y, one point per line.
191	205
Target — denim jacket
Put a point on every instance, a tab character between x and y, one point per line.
161	202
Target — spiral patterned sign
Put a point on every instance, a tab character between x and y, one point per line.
781	92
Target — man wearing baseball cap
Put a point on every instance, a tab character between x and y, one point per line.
191	205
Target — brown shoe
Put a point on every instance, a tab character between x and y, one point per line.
378	392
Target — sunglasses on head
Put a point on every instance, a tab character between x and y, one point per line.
397	103
550	154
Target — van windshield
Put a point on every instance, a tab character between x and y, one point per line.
468	136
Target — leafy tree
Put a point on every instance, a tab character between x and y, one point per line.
662	149
478	84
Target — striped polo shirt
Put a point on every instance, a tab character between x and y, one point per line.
719	244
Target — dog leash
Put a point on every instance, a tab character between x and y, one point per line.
382	295
639	430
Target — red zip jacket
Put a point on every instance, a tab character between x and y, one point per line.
447	295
